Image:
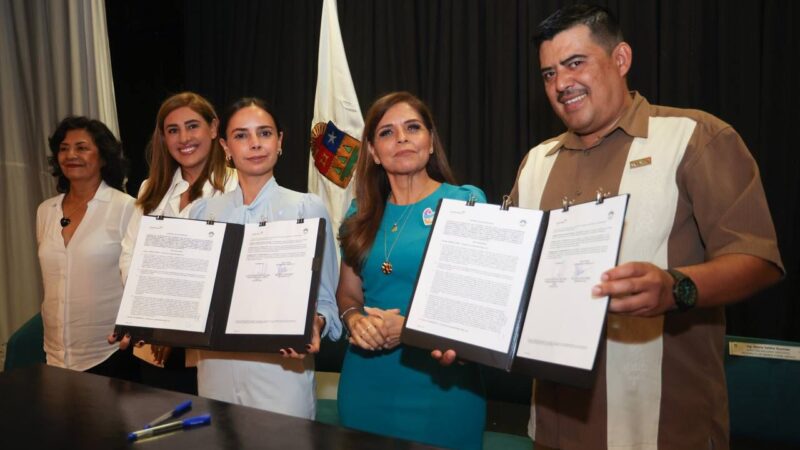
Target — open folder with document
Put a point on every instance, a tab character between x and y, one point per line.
512	288
223	286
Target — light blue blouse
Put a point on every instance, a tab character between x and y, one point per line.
277	203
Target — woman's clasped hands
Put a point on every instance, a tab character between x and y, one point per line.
377	329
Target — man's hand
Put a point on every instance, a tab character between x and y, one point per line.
445	358
637	289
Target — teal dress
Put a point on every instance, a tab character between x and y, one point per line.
404	392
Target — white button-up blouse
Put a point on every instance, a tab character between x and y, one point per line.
82	284
168	207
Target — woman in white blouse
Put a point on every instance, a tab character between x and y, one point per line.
79	233
186	164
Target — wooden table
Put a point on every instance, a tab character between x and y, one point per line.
50	408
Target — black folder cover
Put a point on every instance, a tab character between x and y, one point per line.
214	337
471	352
508	360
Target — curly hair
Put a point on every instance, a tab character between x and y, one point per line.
114	167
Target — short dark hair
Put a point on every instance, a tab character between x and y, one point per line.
114	165
602	23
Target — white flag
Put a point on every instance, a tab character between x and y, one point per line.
335	102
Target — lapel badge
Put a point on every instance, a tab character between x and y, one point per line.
635	164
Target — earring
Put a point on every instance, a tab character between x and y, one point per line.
228	157
374	158
430	151
280	151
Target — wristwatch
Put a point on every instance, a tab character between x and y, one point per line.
684	291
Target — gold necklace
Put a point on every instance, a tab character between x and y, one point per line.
400	219
386	266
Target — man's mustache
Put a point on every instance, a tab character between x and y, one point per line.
571	93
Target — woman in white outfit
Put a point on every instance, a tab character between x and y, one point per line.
79	233
187	164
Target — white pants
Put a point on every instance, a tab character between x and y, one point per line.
265	381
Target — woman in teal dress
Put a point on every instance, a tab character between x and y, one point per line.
386	387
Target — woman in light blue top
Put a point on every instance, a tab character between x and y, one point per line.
283	382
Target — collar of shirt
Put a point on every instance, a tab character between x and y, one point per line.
262	200
171	203
103	194
634	122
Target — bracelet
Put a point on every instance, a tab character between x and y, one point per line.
352	308
344	314
324	324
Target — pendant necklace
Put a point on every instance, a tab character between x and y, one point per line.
386	266
399	219
65	220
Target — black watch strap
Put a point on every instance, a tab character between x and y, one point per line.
684	291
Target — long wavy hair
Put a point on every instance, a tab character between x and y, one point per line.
358	231
163	165
114	165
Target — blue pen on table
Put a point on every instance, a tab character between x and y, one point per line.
191	422
180	409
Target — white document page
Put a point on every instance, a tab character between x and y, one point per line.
172	274
564	321
273	279
472	278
